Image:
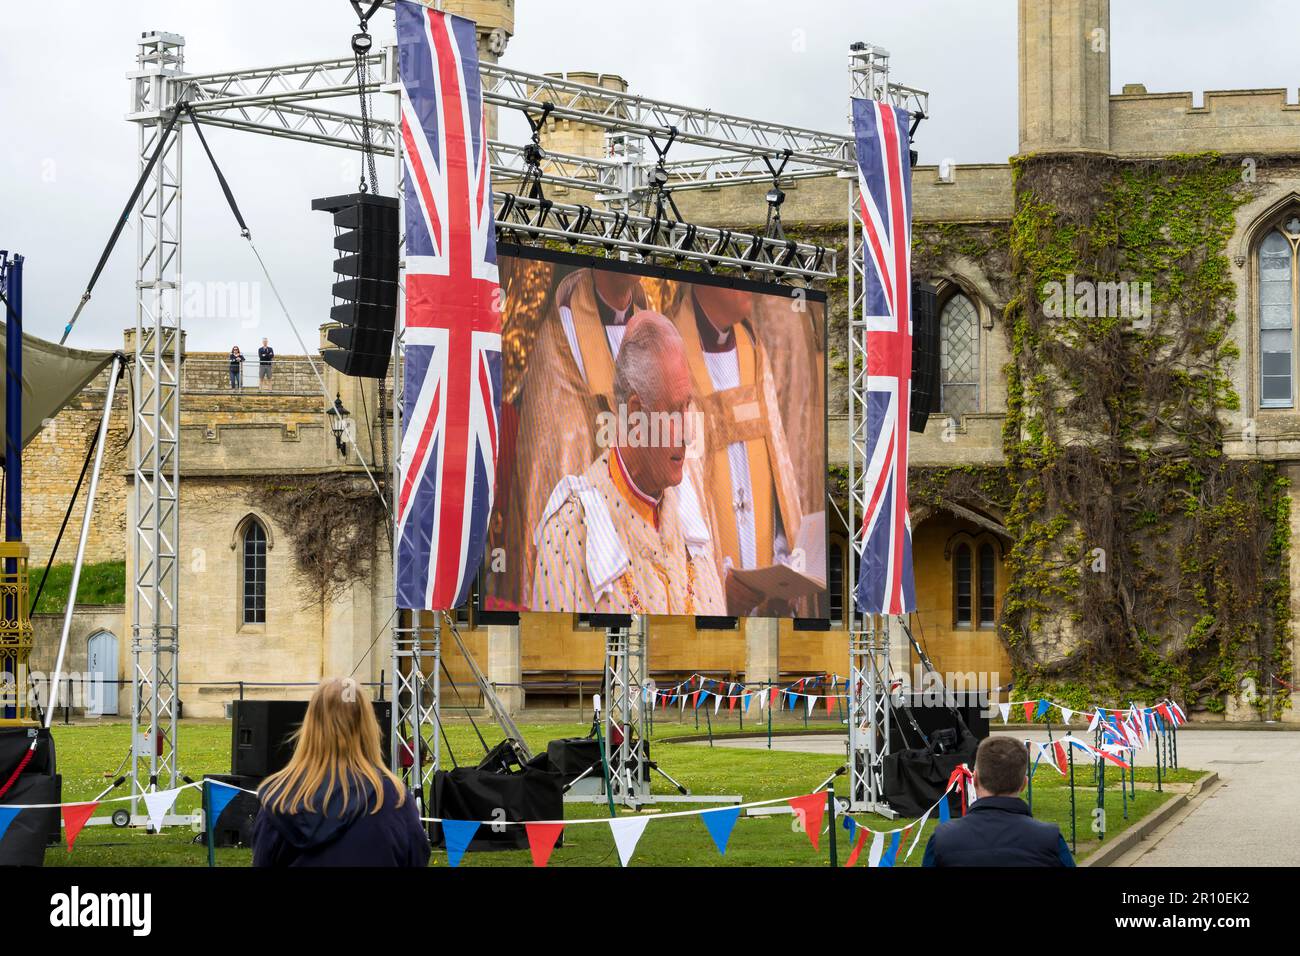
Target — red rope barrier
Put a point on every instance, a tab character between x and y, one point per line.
22	765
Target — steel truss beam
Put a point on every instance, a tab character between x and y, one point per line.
155	461
646	237
280	101
415	689
625	709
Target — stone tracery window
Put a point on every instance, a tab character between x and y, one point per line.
959	332
1278	306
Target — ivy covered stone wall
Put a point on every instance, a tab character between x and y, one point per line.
1144	561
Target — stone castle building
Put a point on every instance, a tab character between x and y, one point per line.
1101	493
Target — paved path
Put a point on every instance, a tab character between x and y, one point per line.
1248	820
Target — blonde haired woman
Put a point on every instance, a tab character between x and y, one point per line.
335	803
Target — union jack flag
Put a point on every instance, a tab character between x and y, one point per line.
885	584
452	401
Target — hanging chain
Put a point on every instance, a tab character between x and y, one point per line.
361	48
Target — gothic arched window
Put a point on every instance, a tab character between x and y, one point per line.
975	561
253	573
962	578
959	363
1279	304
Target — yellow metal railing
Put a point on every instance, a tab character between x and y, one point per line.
15	635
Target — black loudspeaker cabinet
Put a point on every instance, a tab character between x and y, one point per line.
925	355
367	237
31	831
261	734
931	715
234	826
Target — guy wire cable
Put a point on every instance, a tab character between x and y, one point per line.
247	234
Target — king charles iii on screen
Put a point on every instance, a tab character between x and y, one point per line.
629	535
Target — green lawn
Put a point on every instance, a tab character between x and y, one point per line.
103	583
88	755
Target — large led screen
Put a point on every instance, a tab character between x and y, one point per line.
663	443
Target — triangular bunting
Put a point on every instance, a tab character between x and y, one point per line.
891	851
812	703
7	815
849	824
811	809
775	692
627	833
1066	714
1029	711
1092	721
857	847
1006	712
719	824
877	849
541	840
945	812
75	816
1043	707
219	797
458	834
920	828
157	803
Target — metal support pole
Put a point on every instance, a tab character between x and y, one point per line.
86	518
16	642
13	273
1073	846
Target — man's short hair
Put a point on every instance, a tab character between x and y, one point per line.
638	370
1001	764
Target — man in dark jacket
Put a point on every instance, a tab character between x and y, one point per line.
998	829
334	836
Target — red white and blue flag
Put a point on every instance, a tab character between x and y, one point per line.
885	584
452	399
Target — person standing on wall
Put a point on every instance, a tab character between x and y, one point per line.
236	368
265	355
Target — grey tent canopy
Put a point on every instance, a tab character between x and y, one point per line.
52	376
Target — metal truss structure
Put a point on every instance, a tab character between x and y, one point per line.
415	689
869	676
289	101
155	458
624	713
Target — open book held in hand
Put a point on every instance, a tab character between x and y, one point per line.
803	574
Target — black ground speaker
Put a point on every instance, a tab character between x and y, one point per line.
467	793
31	831
261	733
925	355
234	826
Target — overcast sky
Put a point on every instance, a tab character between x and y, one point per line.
67	155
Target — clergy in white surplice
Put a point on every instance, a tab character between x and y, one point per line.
752	494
